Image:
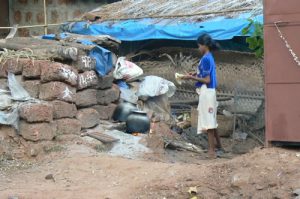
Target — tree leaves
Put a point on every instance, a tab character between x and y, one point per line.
255	40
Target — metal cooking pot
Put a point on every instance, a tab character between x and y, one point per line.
123	110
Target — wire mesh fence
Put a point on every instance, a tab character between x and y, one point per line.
240	90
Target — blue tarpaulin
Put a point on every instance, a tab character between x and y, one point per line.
102	56
220	28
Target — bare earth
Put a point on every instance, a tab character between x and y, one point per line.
80	172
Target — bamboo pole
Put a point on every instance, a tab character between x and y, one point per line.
45	17
32	26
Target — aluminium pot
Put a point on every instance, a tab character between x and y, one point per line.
123	110
137	122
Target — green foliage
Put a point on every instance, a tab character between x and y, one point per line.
256	39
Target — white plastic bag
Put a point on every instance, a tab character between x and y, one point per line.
18	93
156	86
126	70
128	95
10	118
5	100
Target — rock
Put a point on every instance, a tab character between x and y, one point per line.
66	137
59	72
87	79
36	112
105	112
37	131
85	63
57	90
32	87
105	82
7	131
105	97
50	177
240	179
68	126
14	66
88	117
33	150
32	69
86	98
3	84
63	109
259	187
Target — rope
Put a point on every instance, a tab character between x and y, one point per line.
23	53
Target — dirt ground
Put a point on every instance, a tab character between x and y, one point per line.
79	171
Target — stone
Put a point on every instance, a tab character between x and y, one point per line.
240	179
88	117
87	79
33	149
59	72
36	112
7	131
63	109
49	177
32	69
67	138
68	126
105	97
105	112
57	90
14	66
37	131
86	98
105	82
32	87
84	63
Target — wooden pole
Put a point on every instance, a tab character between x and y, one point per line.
32	26
45	15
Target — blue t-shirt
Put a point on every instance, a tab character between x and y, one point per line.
207	67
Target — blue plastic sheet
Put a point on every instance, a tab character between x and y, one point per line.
103	57
219	28
122	84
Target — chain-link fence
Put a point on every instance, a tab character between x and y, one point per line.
240	86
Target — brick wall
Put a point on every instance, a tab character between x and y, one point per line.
30	12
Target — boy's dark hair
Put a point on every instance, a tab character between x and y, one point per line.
206	40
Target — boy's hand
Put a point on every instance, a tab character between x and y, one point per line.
186	77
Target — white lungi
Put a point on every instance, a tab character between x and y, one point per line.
207	109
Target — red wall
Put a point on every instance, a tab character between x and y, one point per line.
282	73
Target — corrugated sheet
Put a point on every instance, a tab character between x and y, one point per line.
201	9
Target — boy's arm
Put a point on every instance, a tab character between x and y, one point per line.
205	80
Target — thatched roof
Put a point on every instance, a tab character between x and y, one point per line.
189	9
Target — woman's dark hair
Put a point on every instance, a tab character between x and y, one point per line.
206	40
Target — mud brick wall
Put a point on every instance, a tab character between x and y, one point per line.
31	12
72	99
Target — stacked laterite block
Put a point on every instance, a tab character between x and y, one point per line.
72	98
95	95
